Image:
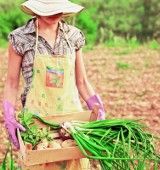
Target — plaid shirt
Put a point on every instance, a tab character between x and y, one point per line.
23	40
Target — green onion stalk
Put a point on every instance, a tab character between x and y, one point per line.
117	144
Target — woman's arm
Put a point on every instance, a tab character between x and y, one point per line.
84	87
10	95
13	75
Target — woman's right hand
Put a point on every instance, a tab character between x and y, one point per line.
10	94
10	122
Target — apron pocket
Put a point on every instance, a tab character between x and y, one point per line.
54	77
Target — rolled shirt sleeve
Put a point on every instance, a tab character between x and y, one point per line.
16	43
80	42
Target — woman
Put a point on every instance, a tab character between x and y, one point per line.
49	53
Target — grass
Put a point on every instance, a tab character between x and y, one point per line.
122	65
153	45
3	43
8	161
121	42
130	44
123	52
88	47
147	64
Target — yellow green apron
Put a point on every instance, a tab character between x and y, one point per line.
53	91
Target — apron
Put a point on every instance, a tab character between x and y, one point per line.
53	91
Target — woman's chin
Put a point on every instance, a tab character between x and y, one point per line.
51	19
52	22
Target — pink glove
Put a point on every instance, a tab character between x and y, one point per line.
96	99
10	122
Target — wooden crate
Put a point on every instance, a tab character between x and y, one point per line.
32	159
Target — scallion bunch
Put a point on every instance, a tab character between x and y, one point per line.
117	144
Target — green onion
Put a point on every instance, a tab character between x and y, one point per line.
117	144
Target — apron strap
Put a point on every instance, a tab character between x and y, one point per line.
66	36
36	48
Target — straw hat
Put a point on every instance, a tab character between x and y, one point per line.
50	7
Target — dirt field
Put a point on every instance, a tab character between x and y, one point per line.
127	81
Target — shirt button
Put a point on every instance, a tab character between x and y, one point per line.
59	62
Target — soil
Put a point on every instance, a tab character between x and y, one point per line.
128	83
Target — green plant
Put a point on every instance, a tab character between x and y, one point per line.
88	26
154	45
8	162
116	41
147	64
11	18
33	134
133	42
122	65
120	41
123	52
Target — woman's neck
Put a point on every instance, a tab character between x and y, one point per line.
47	30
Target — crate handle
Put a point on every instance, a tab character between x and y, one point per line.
94	113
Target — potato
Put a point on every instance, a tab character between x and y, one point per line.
54	144
69	143
64	134
54	135
28	146
60	141
41	146
44	140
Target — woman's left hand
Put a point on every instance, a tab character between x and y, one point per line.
93	100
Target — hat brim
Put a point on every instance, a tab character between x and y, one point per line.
43	9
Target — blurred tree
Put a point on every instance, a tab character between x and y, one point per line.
11	17
157	25
150	18
122	18
131	18
87	20
101	20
